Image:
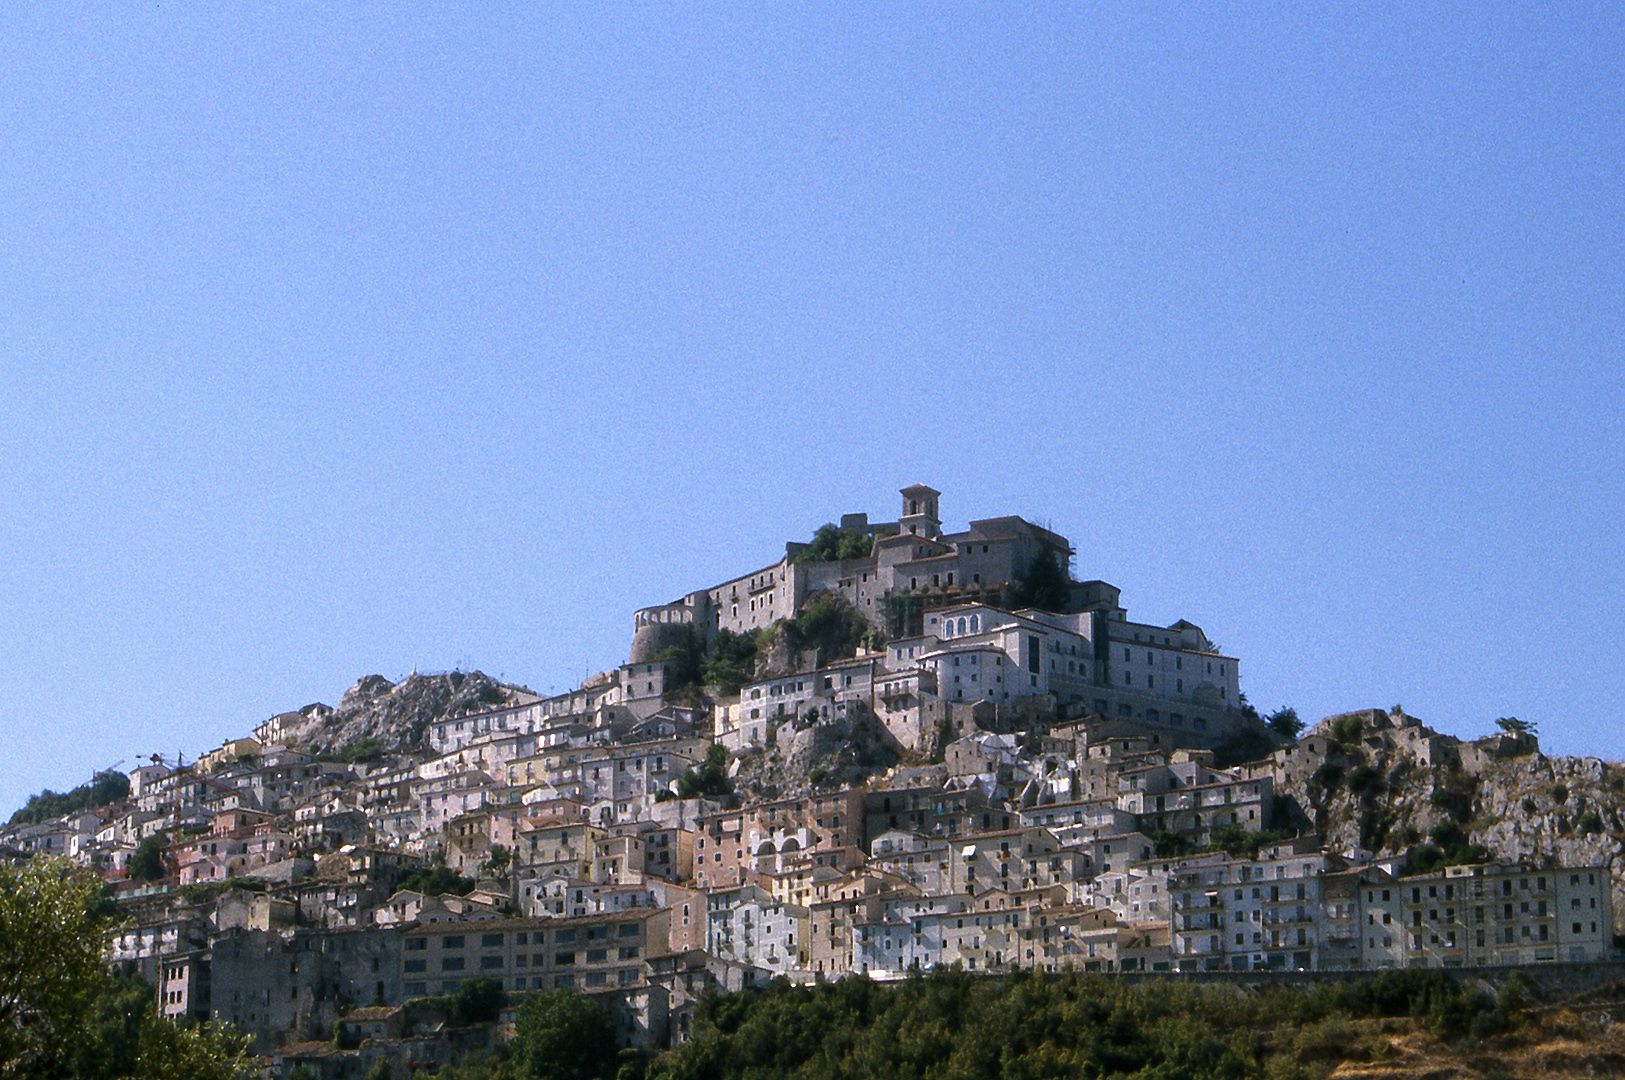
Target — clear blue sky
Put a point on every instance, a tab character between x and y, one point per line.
338	340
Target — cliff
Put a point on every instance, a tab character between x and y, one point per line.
398	714
1385	784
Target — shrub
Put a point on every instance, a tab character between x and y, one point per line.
1364	780
1346	729
830	623
1285	722
710	779
728	660
108	787
831	544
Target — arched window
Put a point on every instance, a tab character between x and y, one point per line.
961	624
975	623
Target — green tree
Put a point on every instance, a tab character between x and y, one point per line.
728	660
147	863
107	788
62	1013
1513	726
830	543
684	660
436	881
710	779
476	1001
1284	722
1045	585
563	1036
832	624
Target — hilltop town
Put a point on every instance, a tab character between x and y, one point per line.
893	748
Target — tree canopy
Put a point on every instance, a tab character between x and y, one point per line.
1284	722
107	788
435	881
831	543
1045	585
564	1035
709	779
832	624
62	1014
951	1024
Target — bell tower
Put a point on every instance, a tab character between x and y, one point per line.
920	512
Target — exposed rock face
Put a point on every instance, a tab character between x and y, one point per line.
1381	783
840	753
397	715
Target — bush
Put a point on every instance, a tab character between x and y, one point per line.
436	881
1590	823
1284	722
107	788
832	544
475	1001
1560	794
832	624
1364	780
363	749
147	864
729	660
710	779
1046	584
1424	859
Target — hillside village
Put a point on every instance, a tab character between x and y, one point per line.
895	747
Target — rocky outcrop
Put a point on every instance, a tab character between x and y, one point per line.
1384	784
398	714
842	752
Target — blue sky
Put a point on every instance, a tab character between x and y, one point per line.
338	340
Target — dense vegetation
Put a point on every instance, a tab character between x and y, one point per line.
830	544
108	787
365	749
435	881
727	661
1045	585
710	779
61	1013
831	624
1233	840
951	1024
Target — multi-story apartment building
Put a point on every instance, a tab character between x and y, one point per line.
1488	915
592	953
747	926
932	810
